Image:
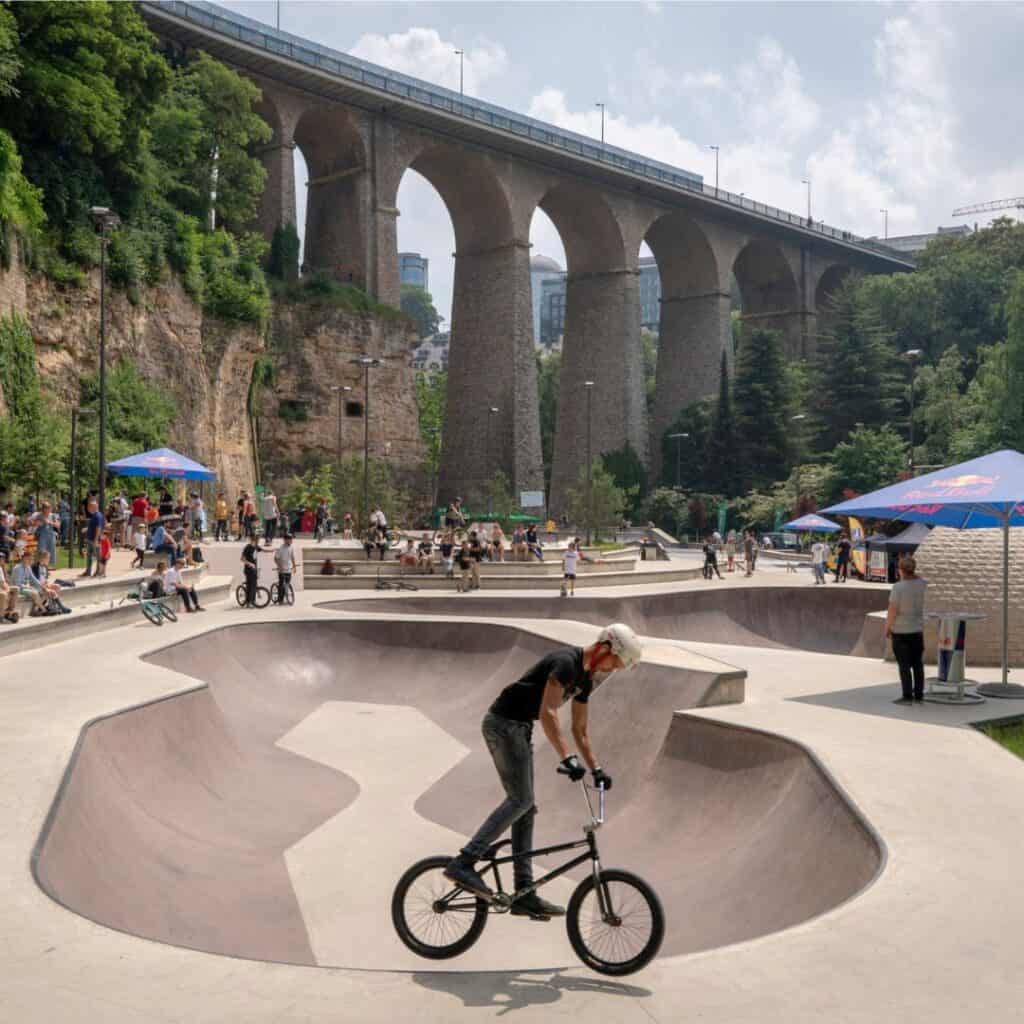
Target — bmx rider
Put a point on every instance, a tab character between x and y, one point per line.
571	672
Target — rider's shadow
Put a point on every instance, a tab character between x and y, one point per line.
515	990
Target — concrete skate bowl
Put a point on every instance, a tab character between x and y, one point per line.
828	621
268	813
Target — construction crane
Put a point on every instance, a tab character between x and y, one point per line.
996	204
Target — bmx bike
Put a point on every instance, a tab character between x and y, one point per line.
282	593
389	583
156	609
261	596
614	920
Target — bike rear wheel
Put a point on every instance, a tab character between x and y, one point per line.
279	596
168	612
240	595
432	915
629	937
262	598
152	612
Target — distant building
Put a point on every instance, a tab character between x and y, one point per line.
918	243
650	293
414	269
431	355
552	312
543	271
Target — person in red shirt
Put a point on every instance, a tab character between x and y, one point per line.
140	506
105	549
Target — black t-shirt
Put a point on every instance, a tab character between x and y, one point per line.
249	553
531	536
844	550
521	700
464	557
476	551
447	549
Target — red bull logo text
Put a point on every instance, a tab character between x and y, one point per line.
968	485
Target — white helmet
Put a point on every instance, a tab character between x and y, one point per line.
624	643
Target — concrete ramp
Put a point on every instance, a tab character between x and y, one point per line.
268	813
823	619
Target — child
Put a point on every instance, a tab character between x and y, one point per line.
710	561
41	570
139	543
569	560
408	557
105	550
327	568
448	556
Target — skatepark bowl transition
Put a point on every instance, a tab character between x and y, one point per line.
268	812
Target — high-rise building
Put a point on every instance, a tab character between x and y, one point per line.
543	271
552	312
650	293
414	269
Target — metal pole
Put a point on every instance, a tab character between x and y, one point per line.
72	497
337	456
601	105
487	461
366	445
103	370
1006	594
679	463
886	213
715	148
913	374
461	54
590	484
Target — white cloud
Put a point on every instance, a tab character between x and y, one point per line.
423	53
703	80
771	91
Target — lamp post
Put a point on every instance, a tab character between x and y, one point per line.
588	386
886	213
912	355
103	219
798	418
73	495
807	182
715	148
366	362
678	438
492	411
342	390
461	54
601	105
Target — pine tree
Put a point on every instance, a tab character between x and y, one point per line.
720	461
760	400
855	373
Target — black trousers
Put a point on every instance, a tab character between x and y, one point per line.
843	567
250	584
189	597
909	651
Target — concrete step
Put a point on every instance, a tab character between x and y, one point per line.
349	551
534	569
30	634
507	582
102	591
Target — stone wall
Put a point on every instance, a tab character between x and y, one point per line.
204	365
312	348
964	570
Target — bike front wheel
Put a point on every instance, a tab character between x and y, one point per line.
168	612
152	612
282	595
262	597
432	915
624	936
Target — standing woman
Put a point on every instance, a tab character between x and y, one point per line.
904	624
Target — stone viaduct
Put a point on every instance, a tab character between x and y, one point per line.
360	128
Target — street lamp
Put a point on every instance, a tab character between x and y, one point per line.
798	418
715	148
492	411
678	438
366	362
601	105
461	54
807	182
104	219
73	495
342	390
588	386
886	235
912	355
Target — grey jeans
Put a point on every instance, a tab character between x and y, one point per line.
512	751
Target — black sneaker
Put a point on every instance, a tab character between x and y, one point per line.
532	905
462	873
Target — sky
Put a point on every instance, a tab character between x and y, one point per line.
904	107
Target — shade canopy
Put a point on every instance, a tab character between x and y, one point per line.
161	462
981	493
812	524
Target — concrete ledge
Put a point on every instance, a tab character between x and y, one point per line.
30	634
392	567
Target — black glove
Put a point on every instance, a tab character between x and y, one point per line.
572	767
601	779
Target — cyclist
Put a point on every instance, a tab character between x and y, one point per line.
284	559
570	672
251	570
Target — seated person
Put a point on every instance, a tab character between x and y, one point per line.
28	586
447	549
381	541
328	567
426	553
154	585
408	557
533	543
175	584
160	541
519	549
498	543
20	544
8	593
41	571
192	553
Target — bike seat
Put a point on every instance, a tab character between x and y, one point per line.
492	851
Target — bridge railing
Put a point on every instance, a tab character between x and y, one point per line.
323	58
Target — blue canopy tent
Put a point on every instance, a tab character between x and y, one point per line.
161	462
982	493
812	524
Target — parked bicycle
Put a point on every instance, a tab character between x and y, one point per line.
282	592
392	583
261	596
156	609
614	920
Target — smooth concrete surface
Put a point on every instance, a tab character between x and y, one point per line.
932	940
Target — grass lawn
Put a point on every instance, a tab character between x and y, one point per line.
1009	734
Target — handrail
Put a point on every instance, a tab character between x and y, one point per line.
323	58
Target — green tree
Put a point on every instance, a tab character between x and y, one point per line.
549	369
687	454
649	346
760	401
629	475
667	508
419	305
720	459
855	376
868	459
939	408
608	502
283	261
234	286
498	501
431	400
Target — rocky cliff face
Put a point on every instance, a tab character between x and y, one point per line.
312	349
204	365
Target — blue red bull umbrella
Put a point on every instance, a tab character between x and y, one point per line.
979	494
161	462
812	524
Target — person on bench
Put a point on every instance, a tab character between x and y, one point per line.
28	586
154	585
161	543
174	584
8	593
